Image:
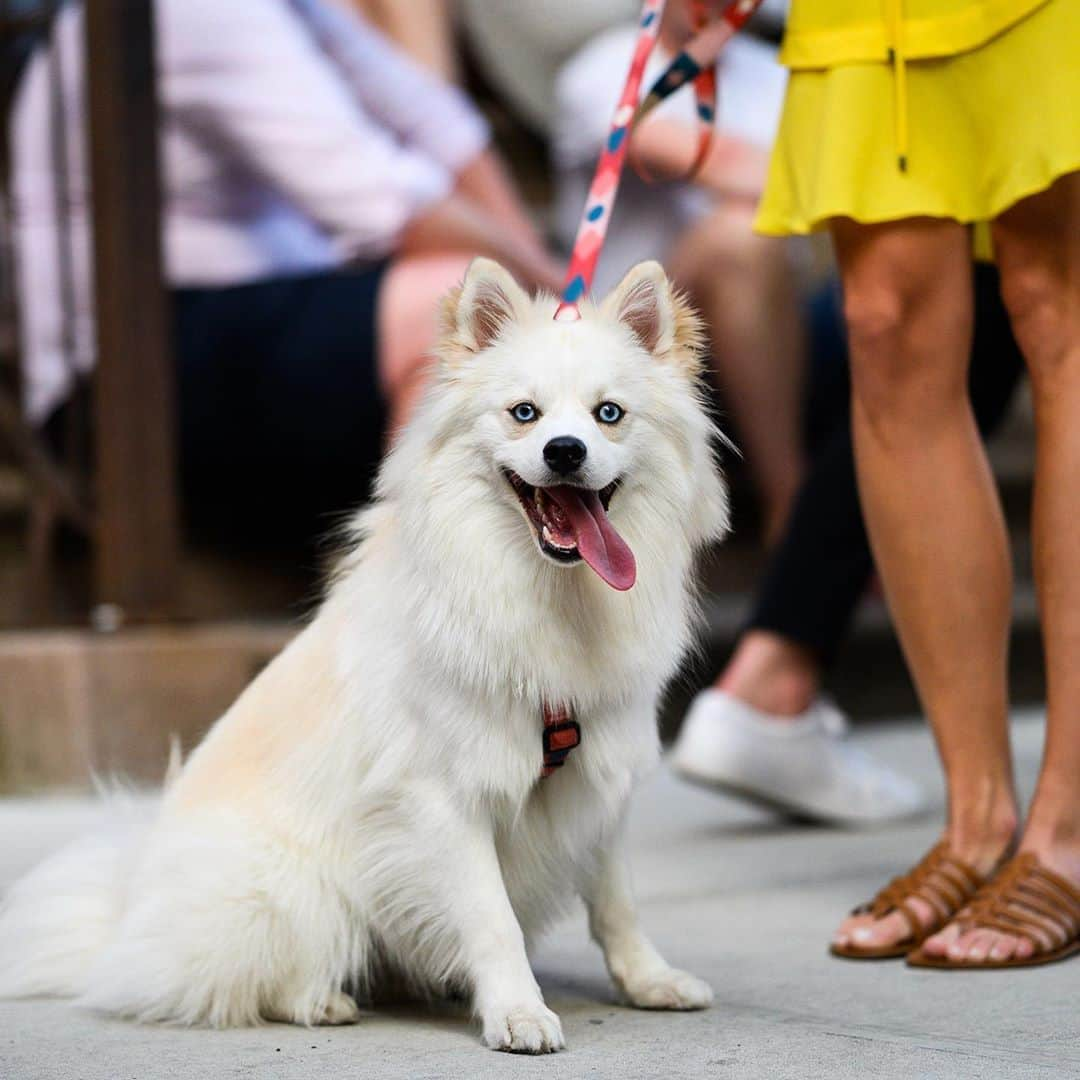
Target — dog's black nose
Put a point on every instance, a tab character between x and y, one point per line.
564	454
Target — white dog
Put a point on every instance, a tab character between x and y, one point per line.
373	806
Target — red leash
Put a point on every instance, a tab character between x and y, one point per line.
696	63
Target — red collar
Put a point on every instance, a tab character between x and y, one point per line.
561	735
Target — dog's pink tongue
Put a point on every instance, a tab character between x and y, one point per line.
597	541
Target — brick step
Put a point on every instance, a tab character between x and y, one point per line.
76	704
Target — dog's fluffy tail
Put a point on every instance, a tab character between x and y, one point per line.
56	920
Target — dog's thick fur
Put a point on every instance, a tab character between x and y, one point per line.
371	807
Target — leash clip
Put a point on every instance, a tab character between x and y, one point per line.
558	741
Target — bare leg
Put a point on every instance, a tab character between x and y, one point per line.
642	975
772	673
407	323
745	289
1038	250
933	516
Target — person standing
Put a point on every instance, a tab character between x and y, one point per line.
904	123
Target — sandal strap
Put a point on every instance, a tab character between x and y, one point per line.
1027	900
941	880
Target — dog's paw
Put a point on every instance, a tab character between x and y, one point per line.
668	989
340	1009
531	1029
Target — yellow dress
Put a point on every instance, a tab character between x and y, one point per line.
914	108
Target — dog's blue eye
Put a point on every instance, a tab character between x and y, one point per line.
607	412
524	412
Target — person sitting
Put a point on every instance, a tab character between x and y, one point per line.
744	285
320	193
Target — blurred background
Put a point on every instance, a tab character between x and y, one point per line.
222	236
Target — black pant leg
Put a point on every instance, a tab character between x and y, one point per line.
821	566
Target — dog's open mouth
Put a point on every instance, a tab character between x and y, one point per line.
571	524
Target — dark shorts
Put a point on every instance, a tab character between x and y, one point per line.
281	414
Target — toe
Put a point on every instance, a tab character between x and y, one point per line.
890	930
959	949
1004	948
845	930
1025	949
865	932
982	941
939	944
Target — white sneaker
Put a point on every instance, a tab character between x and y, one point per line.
801	765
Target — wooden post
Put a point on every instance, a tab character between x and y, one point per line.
135	444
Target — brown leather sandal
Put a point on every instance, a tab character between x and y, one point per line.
940	879
1025	900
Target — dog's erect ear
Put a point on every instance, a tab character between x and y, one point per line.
642	301
476	313
659	317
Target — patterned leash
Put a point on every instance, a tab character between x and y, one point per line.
697	64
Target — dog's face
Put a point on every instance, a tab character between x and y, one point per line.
571	425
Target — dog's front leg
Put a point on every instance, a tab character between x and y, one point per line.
506	997
642	975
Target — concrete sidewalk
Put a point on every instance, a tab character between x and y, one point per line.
736	895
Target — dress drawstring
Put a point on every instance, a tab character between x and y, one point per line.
898	60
